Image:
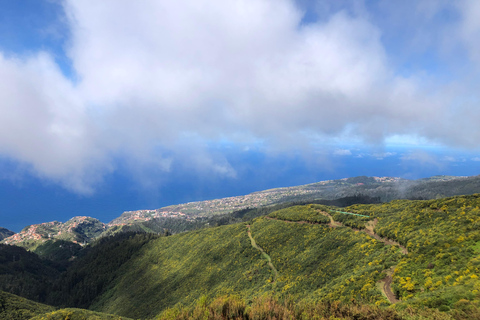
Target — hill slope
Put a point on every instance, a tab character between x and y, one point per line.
316	260
13	307
5	233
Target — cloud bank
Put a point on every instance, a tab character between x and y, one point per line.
157	78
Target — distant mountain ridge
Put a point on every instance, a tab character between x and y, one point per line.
83	230
386	188
327	189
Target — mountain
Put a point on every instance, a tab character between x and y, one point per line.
195	215
328	189
79	230
385	188
406	259
5	233
408	253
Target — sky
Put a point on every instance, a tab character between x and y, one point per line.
116	105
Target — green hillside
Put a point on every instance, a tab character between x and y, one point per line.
316	260
407	259
13	307
25	274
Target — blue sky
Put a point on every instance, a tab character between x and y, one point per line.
115	105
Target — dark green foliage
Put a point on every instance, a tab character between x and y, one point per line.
361	180
300	213
90	275
13	307
58	250
5	233
350	220
159	226
23	273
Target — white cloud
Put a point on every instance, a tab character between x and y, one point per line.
155	72
218	68
469	28
342	152
45	125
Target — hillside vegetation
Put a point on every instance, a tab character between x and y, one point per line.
315	261
25	274
365	261
13	307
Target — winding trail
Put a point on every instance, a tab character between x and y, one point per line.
385	283
254	244
386	288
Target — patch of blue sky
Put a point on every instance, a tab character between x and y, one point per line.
29	26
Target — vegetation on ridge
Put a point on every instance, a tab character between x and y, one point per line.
333	266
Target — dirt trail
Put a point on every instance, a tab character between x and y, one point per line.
385	284
254	244
387	281
333	223
369	229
